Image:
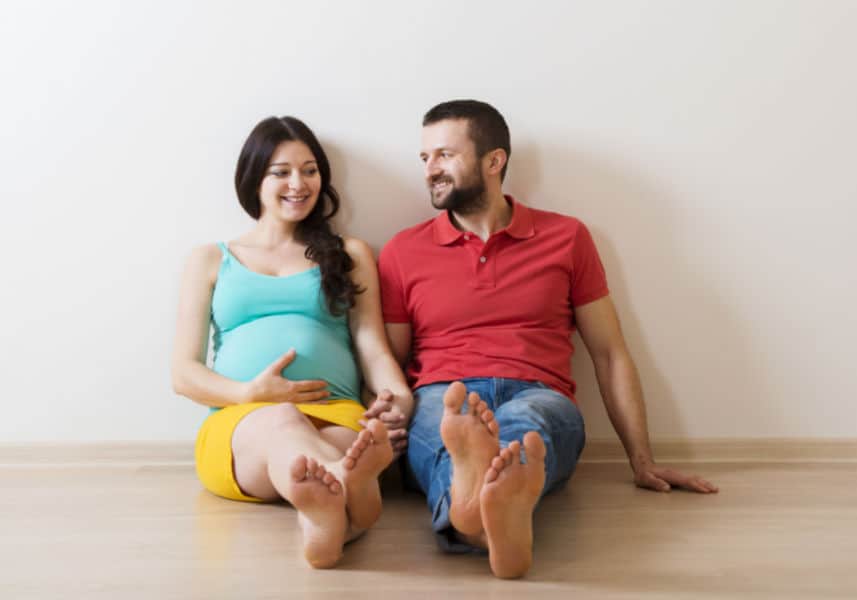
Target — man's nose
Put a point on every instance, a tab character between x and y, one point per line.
432	168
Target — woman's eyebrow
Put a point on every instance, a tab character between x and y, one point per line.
286	163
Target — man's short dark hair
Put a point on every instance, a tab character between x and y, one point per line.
485	124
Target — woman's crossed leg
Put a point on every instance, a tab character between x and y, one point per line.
329	474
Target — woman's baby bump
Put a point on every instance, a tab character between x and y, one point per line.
323	351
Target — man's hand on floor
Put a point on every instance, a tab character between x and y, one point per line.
662	479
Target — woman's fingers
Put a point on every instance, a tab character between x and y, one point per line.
309	385
284	361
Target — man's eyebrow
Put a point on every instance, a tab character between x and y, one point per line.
437	149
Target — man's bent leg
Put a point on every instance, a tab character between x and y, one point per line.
542	419
557	420
430	463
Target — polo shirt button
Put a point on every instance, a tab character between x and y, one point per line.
466	237
482	259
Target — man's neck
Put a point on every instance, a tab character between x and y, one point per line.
496	215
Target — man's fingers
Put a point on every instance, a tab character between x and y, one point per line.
698	484
377	408
690	482
648	480
391	418
398	434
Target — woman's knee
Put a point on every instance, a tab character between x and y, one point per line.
287	415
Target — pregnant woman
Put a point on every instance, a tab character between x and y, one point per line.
295	311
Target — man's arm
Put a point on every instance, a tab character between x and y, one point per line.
399	335
622	393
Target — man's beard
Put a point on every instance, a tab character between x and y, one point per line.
462	200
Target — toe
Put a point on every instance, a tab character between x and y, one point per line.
534	447
453	398
379	431
473	402
491	474
514	453
299	468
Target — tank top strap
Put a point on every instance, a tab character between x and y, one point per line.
224	250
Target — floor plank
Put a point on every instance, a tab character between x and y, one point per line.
113	531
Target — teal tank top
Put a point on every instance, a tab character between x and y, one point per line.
258	317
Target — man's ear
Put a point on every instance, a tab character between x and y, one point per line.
496	160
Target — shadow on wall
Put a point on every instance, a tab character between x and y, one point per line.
377	202
679	341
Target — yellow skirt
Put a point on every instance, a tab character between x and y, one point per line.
213	450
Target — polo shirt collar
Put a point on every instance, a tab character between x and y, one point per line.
520	227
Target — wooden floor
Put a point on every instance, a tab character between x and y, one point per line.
101	531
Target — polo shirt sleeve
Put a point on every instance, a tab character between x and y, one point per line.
393	303
588	280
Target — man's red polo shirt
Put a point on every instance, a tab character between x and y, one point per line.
502	308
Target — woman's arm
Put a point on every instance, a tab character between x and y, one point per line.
192	378
380	369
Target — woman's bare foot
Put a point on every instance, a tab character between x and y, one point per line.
508	497
472	442
370	454
318	498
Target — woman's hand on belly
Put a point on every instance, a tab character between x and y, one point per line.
271	386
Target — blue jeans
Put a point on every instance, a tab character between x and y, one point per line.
519	407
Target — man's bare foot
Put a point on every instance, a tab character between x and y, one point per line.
508	497
370	454
472	441
318	498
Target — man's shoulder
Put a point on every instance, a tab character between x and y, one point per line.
554	221
410	236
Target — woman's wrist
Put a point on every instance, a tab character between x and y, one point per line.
246	392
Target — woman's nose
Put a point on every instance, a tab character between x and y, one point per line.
296	181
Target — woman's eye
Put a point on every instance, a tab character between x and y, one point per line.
280	173
310	172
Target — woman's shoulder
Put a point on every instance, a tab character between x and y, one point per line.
358	250
204	261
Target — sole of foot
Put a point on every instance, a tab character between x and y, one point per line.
509	494
364	461
319	499
472	440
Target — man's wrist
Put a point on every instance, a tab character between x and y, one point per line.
641	462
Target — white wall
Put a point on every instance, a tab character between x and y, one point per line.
710	146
